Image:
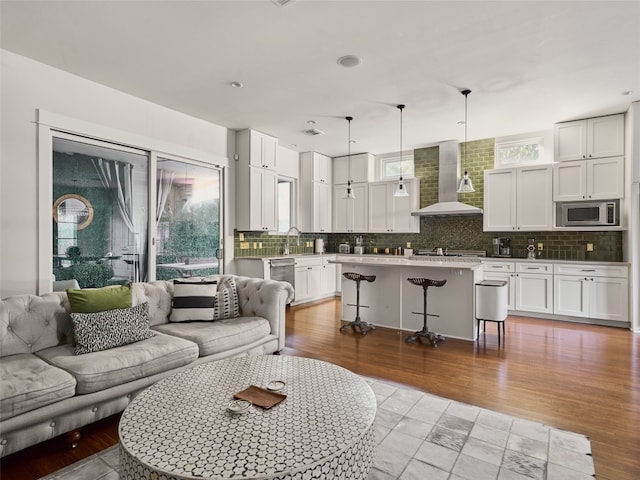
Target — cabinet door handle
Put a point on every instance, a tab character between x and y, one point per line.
533	268
588	270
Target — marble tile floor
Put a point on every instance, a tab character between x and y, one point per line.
422	436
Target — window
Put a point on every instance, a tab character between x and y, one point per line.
393	165
519	152
285	204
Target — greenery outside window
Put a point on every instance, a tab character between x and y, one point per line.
528	151
394	165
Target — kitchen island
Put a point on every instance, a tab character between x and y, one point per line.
391	299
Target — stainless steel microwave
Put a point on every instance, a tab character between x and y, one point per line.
588	214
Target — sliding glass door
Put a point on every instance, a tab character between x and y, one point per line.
102	196
100	212
188	227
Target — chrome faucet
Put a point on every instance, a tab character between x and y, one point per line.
286	248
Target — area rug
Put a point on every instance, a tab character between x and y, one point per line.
422	436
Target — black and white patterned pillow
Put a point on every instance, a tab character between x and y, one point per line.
193	301
226	304
112	328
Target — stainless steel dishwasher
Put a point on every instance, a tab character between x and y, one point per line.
284	269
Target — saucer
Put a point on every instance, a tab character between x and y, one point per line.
238	407
275	385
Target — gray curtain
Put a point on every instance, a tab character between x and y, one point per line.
117	178
164	183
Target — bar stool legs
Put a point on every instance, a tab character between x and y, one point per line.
357	324
433	337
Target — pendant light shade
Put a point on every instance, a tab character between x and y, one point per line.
348	194
465	184
401	189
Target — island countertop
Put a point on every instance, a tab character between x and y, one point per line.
464	263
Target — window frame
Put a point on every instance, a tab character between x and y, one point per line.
51	124
406	157
537	140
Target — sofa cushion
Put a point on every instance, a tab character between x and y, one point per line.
91	300
99	370
28	383
112	328
220	336
193	301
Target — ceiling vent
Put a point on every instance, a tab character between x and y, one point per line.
313	132
283	3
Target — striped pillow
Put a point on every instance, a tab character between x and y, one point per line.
226	305
193	301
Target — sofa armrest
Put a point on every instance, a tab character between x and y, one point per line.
267	299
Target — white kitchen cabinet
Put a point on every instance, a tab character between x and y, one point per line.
315	278
594	179
534	287
328	278
358	168
518	199
388	213
350	215
262	148
256	182
504	271
256	199
598	292
597	137
315	193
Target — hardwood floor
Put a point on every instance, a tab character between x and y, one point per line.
577	377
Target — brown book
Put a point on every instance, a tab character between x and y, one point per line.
260	397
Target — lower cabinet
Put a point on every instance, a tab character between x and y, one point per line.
315	278
534	287
504	271
598	292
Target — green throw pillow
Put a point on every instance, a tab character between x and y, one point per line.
93	300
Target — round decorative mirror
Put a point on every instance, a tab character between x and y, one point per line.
73	208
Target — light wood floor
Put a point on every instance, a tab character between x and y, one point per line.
576	377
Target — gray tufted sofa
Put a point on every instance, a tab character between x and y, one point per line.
46	390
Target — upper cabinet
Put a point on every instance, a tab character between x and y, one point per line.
315	192
357	168
595	179
388	213
350	215
598	137
262	148
256	182
518	199
321	166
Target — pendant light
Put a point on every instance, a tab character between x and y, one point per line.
349	195
401	189
465	184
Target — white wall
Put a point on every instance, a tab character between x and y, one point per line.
27	86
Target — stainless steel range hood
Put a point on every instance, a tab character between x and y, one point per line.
448	204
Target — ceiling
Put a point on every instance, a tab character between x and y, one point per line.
529	64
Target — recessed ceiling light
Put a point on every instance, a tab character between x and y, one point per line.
628	92
236	84
349	61
311	122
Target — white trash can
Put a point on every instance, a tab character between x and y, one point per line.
491	304
491	300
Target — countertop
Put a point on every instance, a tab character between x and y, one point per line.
420	260
413	261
